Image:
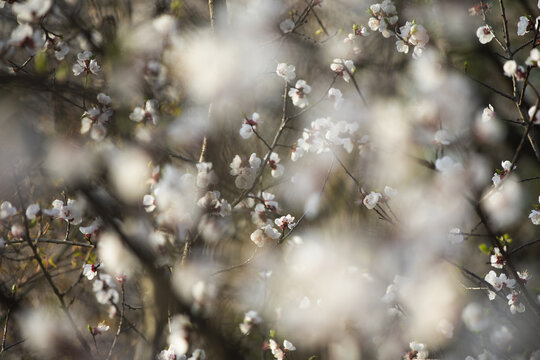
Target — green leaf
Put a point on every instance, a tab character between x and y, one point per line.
272	333
40	62
484	248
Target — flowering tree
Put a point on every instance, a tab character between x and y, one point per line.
247	179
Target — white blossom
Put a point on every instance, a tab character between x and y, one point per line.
484	34
286	72
287	26
371	200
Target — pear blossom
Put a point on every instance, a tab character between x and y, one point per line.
251	319
92	228
287	25
97	118
534	58
17	231
524	276
500	174
488	113
442	137
149	203
85	63
285	221
286	72
510	68
264	235
245	171
344	68
447	165
61	49
337	97
273	163
32	211
532	115
499	282
535	217
70	212
382	15
277	351
484	34
497	260
31	10
516	306
298	94
148	114
412	34
104	289
7	210
418	351
90	271
371	200
99	329
250	125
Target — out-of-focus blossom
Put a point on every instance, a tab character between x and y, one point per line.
147	114
455	236
70	212
251	319
149	203
286	72
99	329
31	10
418	351
510	68
24	36
287	26
534	58
32	211
245	171
206	176
7	210
104	289
336	96
371	200
92	228
344	68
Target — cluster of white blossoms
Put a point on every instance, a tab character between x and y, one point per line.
344	68
298	94
323	134
286	72
278	351
358	33
70	212
150	112
499	175
412	34
96	119
251	320
86	63
383	16
245	170
249	125
264	235
266	206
